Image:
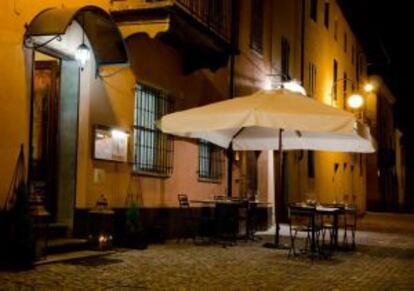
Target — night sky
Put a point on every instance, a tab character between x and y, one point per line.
386	31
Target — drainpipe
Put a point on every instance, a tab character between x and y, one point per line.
233	48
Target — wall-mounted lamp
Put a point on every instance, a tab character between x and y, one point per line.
83	52
355	101
284	83
368	87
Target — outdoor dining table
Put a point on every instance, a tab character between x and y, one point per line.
321	210
235	203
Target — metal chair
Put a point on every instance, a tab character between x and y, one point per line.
327	225
252	221
301	219
187	229
226	217
350	223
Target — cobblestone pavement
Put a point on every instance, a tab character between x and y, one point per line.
384	260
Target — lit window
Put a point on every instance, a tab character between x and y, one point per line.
153	149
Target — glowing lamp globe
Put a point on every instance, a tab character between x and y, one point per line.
355	101
83	54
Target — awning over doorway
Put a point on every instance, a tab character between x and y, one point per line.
103	34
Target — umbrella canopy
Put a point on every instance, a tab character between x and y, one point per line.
272	120
252	122
259	139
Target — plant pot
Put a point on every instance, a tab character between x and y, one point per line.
136	240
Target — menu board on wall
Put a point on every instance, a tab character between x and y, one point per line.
110	144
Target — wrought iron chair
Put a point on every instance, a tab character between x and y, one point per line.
252	221
226	217
327	225
187	229
301	219
350	224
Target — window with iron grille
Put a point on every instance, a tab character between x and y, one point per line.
256	26
210	161
345	89
335	80
311	164
153	149
312	80
353	54
345	42
326	14
285	52
314	9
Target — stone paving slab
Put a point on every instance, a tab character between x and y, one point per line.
383	261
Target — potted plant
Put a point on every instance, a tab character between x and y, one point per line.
20	245
135	233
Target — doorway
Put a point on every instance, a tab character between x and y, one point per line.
54	131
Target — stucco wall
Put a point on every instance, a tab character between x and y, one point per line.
321	49
107	101
15	78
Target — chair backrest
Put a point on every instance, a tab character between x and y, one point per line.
183	200
301	215
350	215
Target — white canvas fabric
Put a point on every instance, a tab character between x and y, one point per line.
253	123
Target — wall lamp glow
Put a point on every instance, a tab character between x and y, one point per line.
355	101
83	53
291	85
368	87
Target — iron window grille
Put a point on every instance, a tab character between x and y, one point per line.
153	149
210	161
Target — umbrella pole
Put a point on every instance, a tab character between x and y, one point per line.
230	160
278	193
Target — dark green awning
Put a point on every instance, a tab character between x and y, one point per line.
103	34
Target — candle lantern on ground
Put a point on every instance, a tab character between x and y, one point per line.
101	225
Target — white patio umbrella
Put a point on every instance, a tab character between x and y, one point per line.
261	120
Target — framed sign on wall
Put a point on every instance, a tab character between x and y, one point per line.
110	144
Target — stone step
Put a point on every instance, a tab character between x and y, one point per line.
71	256
54	230
64	245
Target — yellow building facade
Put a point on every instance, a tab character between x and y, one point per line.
291	43
107	97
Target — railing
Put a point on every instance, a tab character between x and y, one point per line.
215	14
